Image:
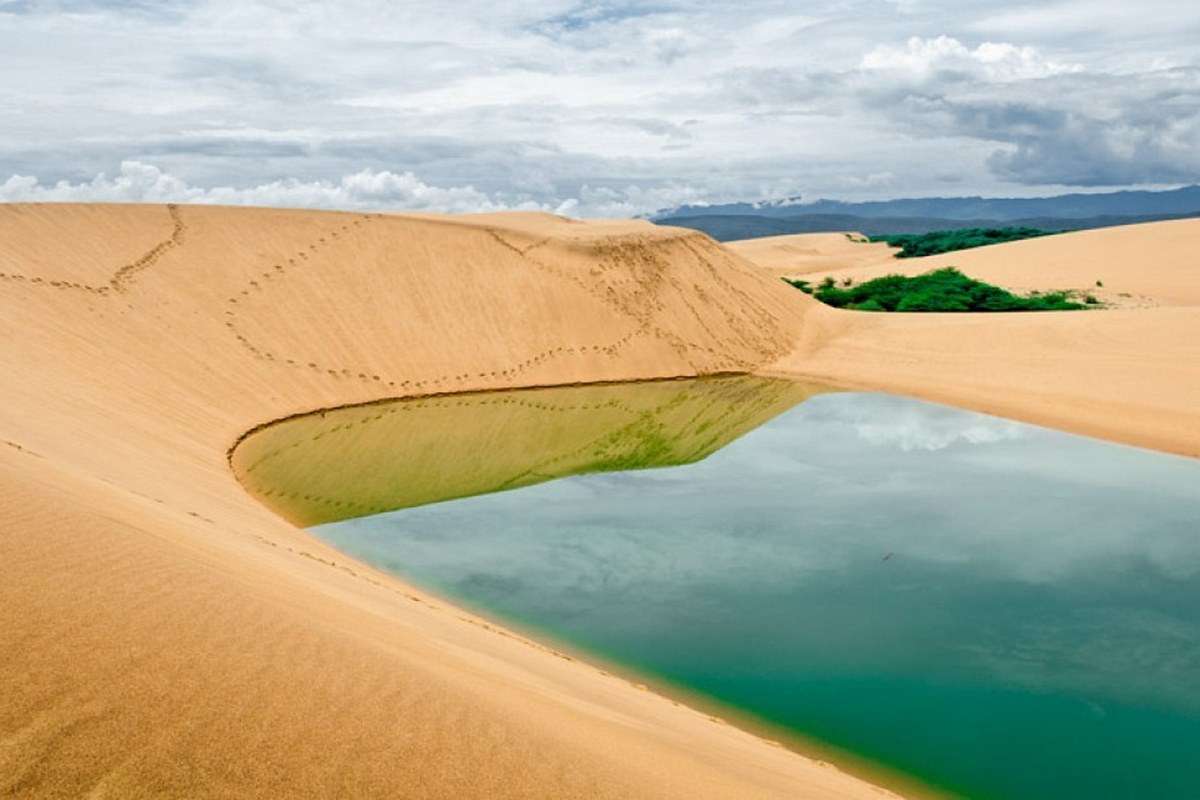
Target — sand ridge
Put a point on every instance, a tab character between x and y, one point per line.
167	635
803	254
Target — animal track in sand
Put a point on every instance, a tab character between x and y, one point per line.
124	275
639	298
426	385
19	448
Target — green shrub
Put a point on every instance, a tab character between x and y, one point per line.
913	245
943	290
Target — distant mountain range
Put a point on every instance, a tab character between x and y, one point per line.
730	227
920	215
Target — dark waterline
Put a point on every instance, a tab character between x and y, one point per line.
997	609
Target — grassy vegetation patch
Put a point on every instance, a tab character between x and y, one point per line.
943	290
913	245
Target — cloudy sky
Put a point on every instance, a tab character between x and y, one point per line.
604	108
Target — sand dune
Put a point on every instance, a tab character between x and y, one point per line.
805	253
166	635
1129	373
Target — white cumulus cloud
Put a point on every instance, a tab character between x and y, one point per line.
993	61
137	182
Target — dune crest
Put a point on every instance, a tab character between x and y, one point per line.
802	254
165	634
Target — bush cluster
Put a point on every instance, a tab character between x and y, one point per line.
913	245
944	290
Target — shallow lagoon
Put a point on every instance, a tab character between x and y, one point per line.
996	609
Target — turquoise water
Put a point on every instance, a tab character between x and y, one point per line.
999	610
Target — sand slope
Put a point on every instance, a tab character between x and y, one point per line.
805	253
166	635
1129	374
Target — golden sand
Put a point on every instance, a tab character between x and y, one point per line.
808	253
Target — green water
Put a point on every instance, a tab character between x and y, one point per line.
999	610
